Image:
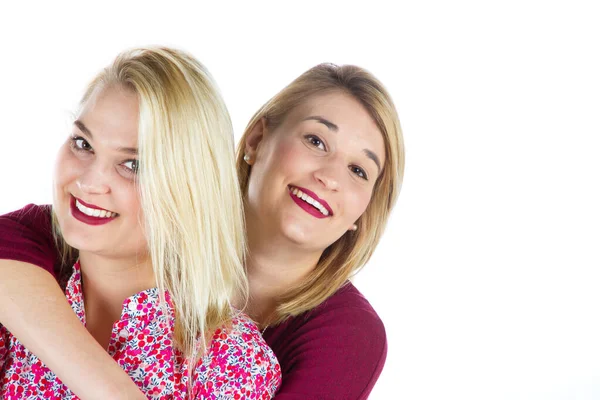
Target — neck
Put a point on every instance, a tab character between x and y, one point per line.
107	282
274	267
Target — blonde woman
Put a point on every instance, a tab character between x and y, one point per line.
158	261
320	167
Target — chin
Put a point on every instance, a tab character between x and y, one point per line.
298	232
296	236
83	237
81	242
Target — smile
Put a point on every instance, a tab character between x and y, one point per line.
94	212
90	214
308	201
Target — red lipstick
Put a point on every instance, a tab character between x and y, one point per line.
308	207
86	219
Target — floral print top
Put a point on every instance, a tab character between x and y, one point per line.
238	365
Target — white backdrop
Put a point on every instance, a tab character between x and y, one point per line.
487	278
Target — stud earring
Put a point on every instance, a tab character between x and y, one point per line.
354	227
247	158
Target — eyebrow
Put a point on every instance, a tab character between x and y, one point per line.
322	120
373	157
84	129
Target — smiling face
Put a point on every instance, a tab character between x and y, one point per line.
96	200
312	176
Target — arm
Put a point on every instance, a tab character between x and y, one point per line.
335	355
34	309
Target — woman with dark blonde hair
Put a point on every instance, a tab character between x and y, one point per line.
320	167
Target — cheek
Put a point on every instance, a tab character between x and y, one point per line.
134	206
277	161
127	198
291	159
67	167
358	203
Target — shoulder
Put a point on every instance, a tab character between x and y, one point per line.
351	314
348	296
26	235
32	215
346	312
242	361
336	350
355	319
242	334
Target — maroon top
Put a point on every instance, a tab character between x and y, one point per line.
335	351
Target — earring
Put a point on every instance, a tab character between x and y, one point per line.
354	227
247	158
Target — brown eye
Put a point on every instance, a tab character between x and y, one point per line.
315	141
358	171
80	144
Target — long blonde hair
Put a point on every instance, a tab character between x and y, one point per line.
189	193
351	252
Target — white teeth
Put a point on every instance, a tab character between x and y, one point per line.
93	212
298	193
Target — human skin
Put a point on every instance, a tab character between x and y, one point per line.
39	315
285	241
97	166
92	167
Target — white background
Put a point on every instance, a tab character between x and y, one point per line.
487	278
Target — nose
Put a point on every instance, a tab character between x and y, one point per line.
328	177
94	180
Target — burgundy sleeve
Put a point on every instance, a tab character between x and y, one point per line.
337	355
26	235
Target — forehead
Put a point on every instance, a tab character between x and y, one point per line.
356	126
111	114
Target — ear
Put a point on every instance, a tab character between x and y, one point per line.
255	137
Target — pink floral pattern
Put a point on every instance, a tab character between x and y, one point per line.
238	365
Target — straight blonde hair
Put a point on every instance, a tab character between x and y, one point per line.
189	193
342	259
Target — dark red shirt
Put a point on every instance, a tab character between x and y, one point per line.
335	351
